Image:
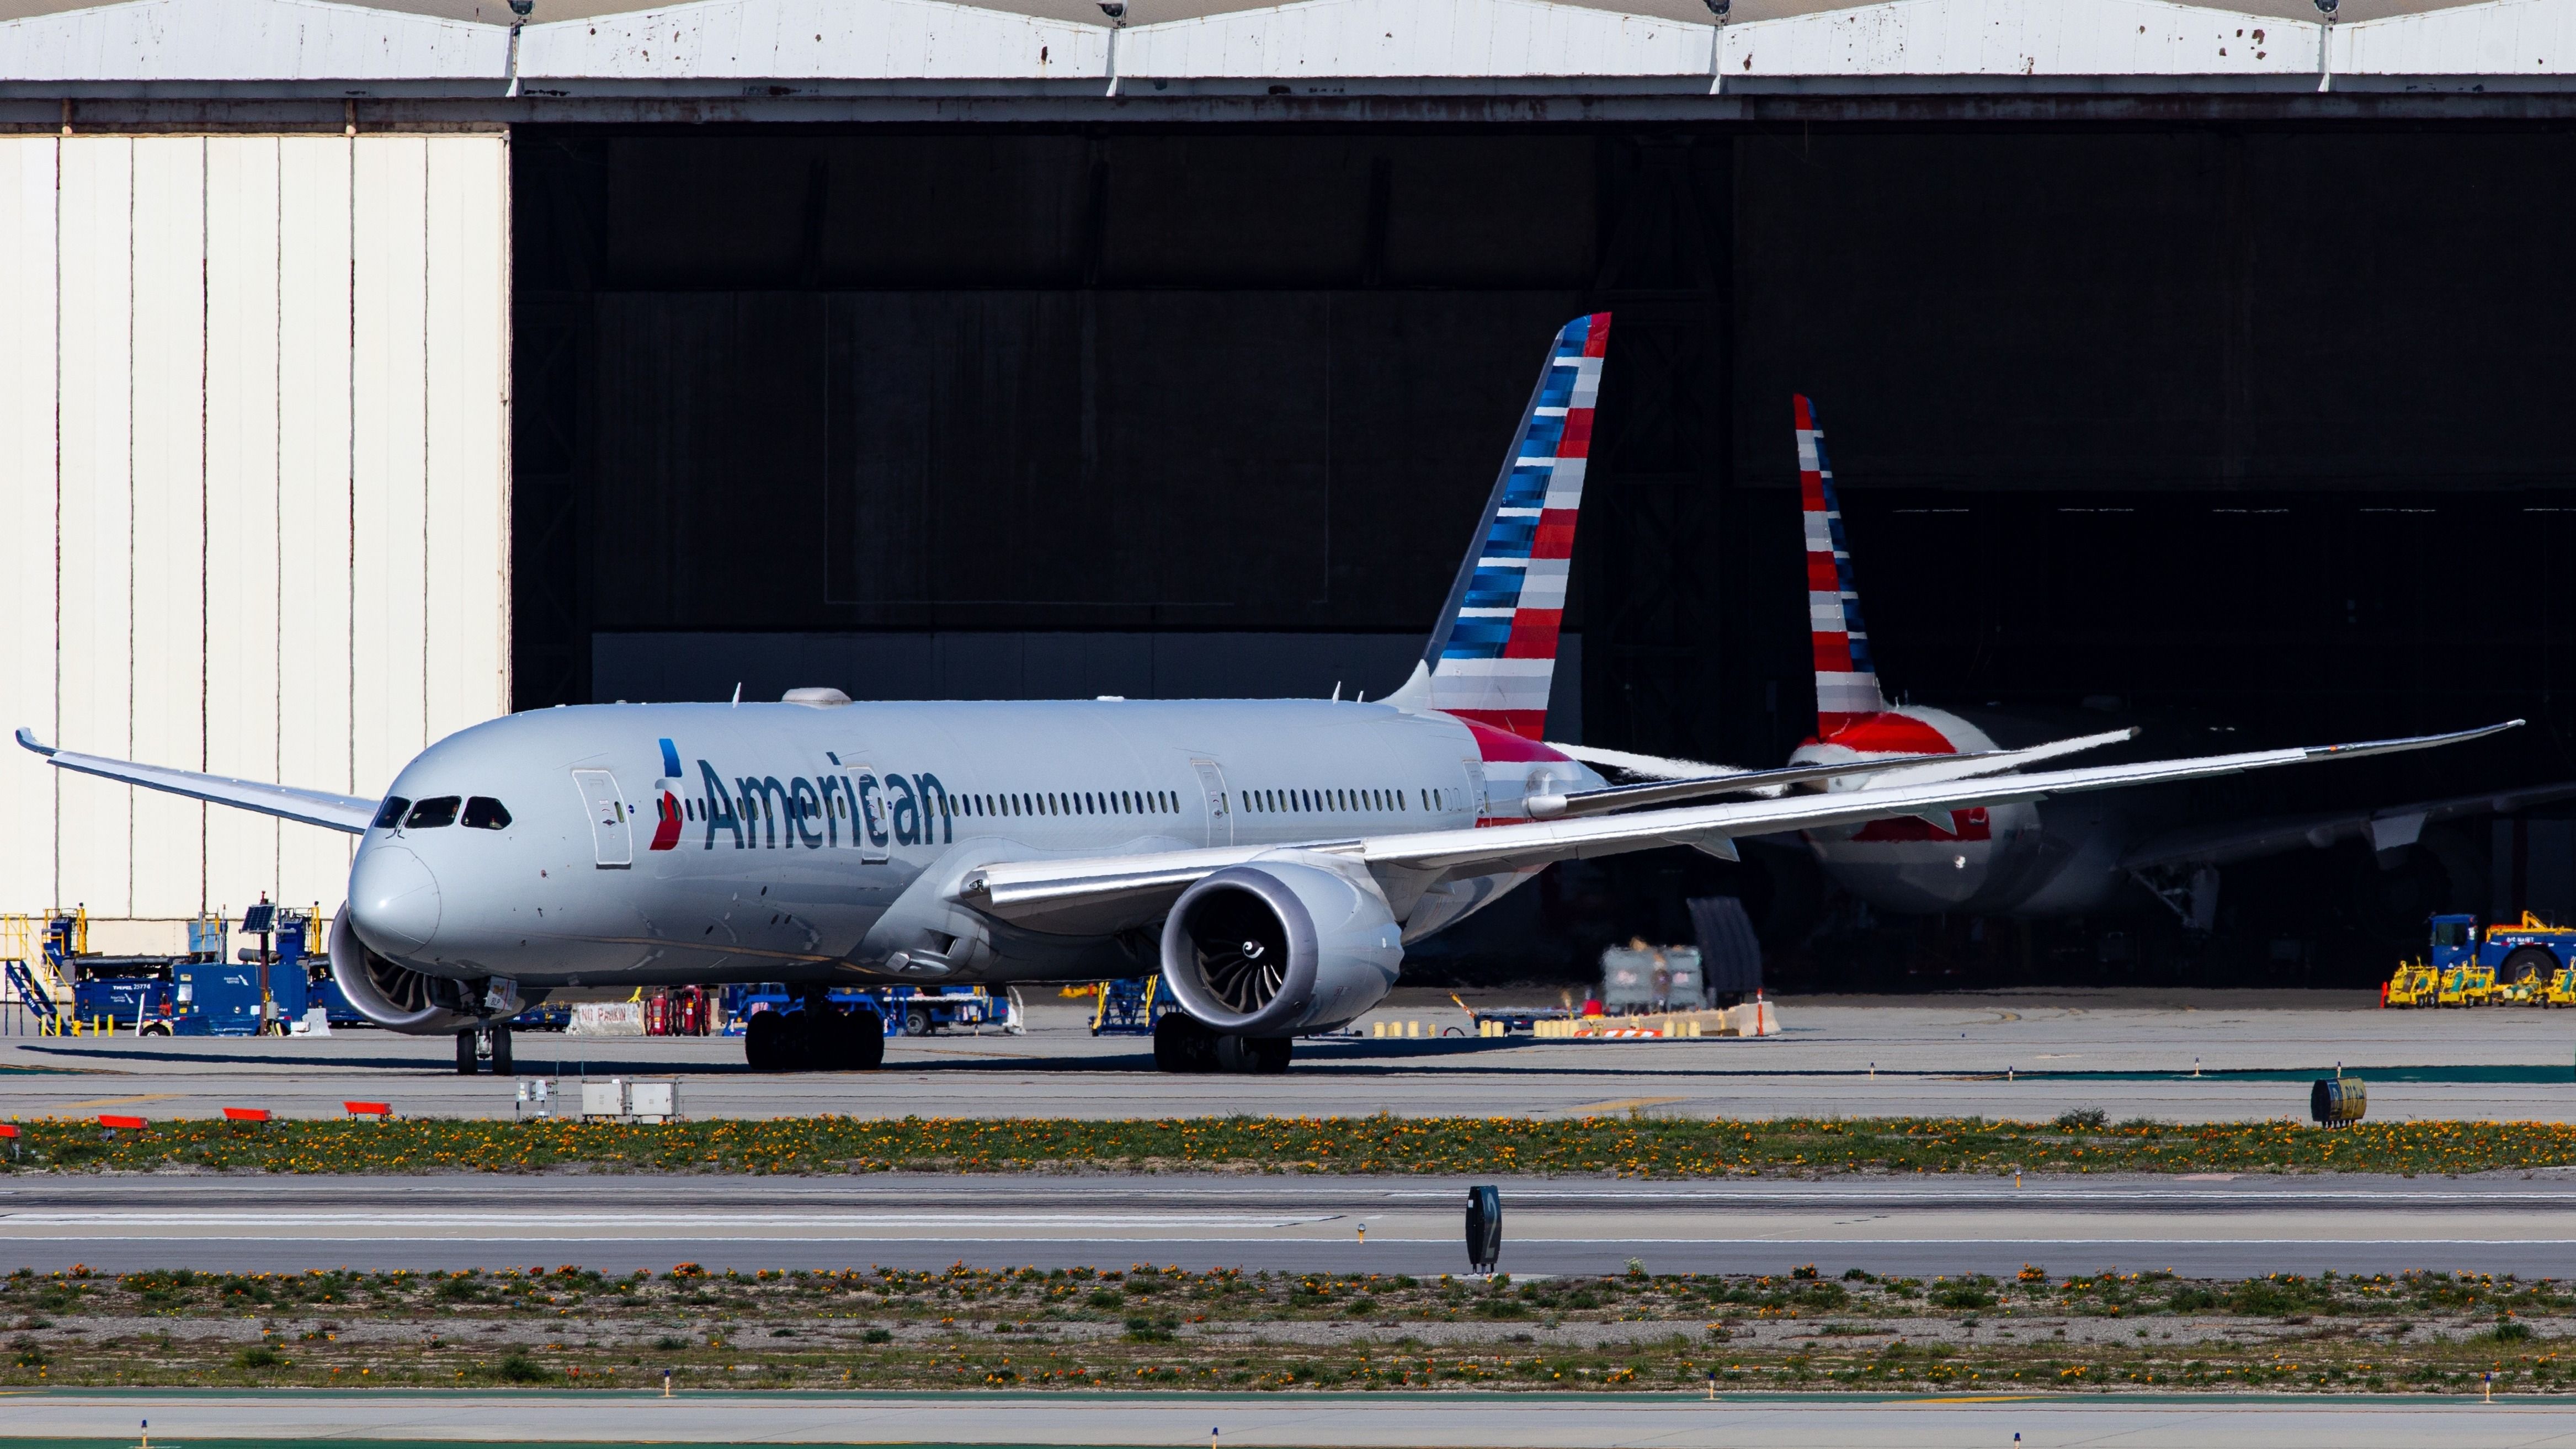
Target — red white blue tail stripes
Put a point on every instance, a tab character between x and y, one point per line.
1846	682
1495	651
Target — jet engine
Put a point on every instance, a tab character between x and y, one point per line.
393	996
1284	944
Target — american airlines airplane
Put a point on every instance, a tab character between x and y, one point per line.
1271	858
2034	858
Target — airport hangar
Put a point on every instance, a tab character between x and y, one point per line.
370	369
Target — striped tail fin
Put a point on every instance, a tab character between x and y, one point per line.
1494	652
1846	681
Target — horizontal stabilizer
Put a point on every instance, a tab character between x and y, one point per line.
310	807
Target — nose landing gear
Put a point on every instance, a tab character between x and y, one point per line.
478	1042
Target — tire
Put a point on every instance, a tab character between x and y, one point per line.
867	1040
157	1028
2531	963
764	1042
1270	1055
502	1065
917	1022
1182	1045
465	1063
848	1041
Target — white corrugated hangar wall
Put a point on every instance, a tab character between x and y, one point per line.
253	456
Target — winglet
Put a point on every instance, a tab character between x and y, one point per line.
1493	654
27	738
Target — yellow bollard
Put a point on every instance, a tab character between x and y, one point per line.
1377	1029
1413	1031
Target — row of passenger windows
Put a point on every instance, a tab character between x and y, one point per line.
1069	802
1280	802
482	812
1004	806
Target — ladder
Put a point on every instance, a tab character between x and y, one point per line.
32	995
35	962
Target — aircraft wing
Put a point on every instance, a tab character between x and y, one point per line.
2387	829
312	807
1667	780
1032	890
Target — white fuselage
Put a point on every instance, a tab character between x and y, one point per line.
706	842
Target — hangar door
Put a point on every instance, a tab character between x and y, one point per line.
253	395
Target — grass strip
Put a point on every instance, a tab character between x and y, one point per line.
1230	1331
2079	1142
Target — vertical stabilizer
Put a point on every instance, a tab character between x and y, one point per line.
1494	652
1846	681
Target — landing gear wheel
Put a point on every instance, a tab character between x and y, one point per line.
847	1041
764	1043
1181	1044
466	1066
1251	1055
501	1064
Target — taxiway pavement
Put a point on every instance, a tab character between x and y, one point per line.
1323	1421
2027	1055
2205	1227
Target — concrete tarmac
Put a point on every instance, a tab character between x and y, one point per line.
1322	1421
2028	1055
2202	1227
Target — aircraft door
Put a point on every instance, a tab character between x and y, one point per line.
1476	796
872	823
612	836
1220	819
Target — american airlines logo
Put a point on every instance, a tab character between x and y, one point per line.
855	808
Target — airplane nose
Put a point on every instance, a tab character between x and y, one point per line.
393	900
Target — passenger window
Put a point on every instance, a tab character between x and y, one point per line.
485	813
431	814
390	814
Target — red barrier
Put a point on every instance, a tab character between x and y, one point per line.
245	1114
109	1120
8	1129
369	1109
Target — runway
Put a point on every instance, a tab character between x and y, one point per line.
1321	1421
2239	1227
2028	1055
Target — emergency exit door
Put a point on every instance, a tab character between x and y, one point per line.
612	836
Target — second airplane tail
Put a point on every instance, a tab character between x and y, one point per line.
1846	681
1493	654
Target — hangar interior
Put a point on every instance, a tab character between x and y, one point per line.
2219	425
2222	402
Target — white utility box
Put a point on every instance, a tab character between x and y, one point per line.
603	1099
653	1101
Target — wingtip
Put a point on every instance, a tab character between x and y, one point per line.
27	739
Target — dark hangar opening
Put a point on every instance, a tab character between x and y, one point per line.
2256	426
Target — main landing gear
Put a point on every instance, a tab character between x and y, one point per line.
819	1038
1182	1044
477	1042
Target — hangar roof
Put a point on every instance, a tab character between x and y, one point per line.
997	49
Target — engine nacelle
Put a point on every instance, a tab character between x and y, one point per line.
393	996
1294	942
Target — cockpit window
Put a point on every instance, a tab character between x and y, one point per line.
431	814
391	813
485	813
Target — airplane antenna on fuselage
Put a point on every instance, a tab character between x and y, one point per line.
737	693
1337	691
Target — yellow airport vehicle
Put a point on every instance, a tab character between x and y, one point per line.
2560	989
2413	984
2466	985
